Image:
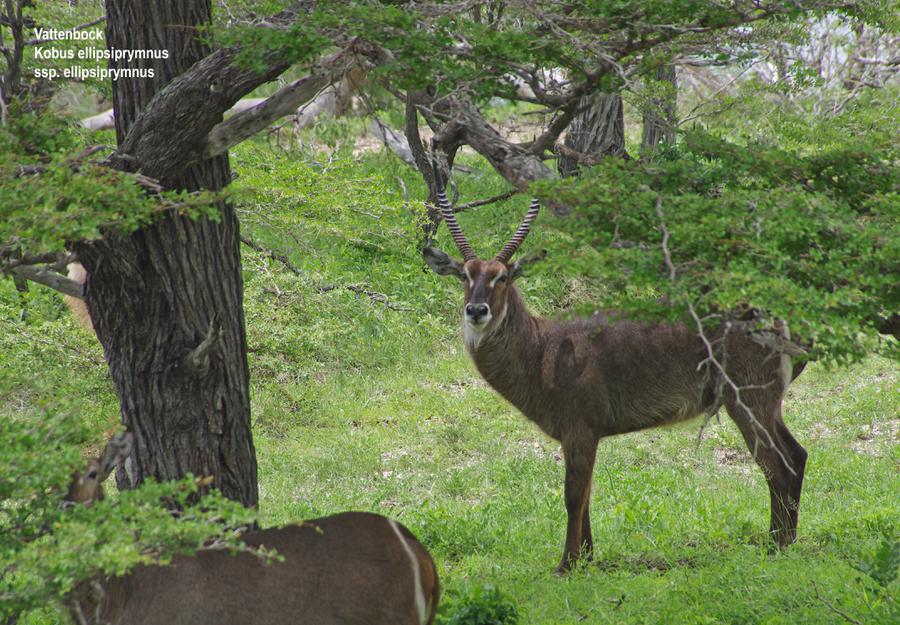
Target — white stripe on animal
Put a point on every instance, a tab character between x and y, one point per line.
417	574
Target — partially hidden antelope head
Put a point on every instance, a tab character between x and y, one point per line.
585	379
352	567
86	486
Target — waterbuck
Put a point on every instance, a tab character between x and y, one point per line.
585	379
353	567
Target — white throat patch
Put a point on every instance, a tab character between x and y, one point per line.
474	334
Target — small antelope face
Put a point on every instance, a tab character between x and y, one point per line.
87	486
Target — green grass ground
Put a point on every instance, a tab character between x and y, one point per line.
358	404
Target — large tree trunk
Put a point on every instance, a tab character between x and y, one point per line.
659	116
154	296
597	130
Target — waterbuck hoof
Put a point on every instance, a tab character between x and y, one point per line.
564	567
782	539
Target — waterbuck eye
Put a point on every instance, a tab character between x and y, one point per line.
501	278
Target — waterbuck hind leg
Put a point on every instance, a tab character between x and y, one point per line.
791	507
579	453
781	458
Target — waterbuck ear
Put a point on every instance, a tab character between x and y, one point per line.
518	267
118	448
442	264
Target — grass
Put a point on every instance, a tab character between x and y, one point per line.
361	405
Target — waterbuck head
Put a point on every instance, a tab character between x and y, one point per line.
487	283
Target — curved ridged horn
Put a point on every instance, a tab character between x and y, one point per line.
455	231
510	248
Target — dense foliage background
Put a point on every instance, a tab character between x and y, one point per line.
780	194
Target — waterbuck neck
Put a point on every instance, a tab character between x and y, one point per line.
509	355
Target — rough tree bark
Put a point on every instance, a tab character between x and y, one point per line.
166	301
597	130
659	116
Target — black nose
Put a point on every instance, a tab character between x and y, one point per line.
477	311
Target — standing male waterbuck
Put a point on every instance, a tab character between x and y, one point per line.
353	567
584	379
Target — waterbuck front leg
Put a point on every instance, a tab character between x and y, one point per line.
579	451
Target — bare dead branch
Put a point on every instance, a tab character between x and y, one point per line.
497	198
49	278
328	71
665	239
695	112
403	190
278	256
423	164
834	609
61	343
465	124
11	256
374	296
106	120
247	123
396	142
711	358
720	367
31	170
558	125
380	298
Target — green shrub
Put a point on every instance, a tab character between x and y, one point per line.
485	605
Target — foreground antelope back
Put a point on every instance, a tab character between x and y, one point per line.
353	567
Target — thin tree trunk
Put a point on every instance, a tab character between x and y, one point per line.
659	117
156	295
597	130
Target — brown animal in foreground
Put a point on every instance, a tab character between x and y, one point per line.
582	380
353	567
